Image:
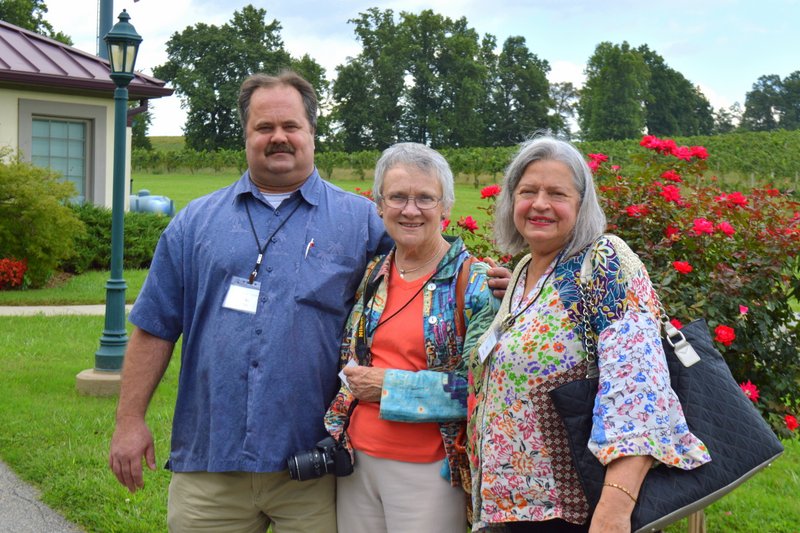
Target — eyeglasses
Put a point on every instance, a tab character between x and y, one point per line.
399	201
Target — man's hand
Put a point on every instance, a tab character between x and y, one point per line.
365	382
131	442
499	278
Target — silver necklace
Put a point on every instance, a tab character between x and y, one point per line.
404	271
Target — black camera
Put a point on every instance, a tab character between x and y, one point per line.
329	457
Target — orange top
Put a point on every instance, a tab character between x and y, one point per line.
399	344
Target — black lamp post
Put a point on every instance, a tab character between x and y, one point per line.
123	46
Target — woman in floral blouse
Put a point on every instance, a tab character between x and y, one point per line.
522	472
417	310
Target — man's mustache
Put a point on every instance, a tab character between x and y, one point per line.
281	148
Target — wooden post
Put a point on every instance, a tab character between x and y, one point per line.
697	522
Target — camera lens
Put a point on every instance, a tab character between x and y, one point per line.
307	465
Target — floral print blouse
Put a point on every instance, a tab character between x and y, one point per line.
521	466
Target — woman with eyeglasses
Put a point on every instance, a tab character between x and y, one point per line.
404	401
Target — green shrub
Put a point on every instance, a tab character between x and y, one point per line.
35	223
141	231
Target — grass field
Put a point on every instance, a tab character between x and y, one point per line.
58	440
182	188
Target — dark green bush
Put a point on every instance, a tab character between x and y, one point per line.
93	252
35	223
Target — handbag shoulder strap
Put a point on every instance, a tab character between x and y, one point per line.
672	335
461	288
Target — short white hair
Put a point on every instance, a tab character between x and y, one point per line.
417	156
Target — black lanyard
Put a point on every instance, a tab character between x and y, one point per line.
262	249
509	320
369	292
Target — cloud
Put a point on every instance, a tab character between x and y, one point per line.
562	71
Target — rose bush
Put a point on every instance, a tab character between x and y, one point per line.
12	273
730	257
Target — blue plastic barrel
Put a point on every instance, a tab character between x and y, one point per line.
144	202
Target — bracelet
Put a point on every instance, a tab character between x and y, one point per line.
620	487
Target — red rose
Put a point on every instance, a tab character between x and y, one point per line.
737	198
671	193
749	390
637	210
699	152
682	266
490	192
791	422
468	223
600	158
682	152
724	335
702	225
726	228
671	232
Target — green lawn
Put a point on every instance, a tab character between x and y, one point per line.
181	188
86	289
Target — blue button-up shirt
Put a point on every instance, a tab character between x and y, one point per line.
253	388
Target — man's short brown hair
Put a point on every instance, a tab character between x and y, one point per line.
284	78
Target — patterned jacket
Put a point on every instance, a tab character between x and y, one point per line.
438	394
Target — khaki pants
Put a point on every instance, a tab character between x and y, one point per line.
396	497
242	502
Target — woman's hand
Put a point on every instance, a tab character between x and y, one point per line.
613	512
499	278
365	382
624	477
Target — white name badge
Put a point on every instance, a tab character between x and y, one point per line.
242	296
341	373
488	345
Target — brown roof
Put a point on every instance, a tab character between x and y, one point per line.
35	62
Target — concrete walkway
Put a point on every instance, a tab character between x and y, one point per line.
51	310
21	510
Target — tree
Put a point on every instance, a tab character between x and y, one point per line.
520	94
565	103
208	63
762	104
368	88
727	120
445	86
673	106
139	138
314	73
612	100
29	14
790	102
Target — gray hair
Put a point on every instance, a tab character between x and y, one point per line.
591	220
422	158
285	78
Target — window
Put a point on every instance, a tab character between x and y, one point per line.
72	139
62	146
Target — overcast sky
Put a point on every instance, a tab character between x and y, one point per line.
721	45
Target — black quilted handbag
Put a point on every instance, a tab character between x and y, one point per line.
739	441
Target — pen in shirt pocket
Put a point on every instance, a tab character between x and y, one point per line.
308	247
